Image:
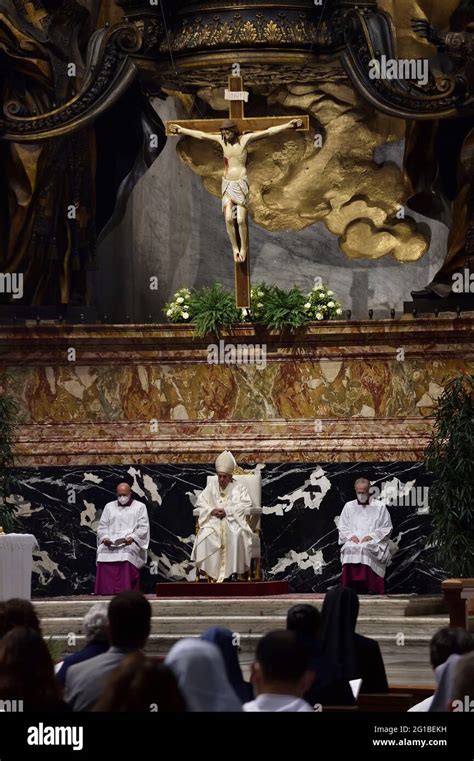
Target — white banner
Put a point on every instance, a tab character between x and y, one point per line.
237	96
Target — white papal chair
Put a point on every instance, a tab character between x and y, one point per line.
253	482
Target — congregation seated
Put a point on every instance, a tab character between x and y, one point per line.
281	674
18	612
94	625
225	640
293	669
129	622
27	672
444	643
141	685
358	656
329	686
201	674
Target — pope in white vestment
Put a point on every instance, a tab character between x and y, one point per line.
364	532
223	545
123	536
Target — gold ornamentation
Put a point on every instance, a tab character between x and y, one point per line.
194	33
259	68
248	33
295	184
273	33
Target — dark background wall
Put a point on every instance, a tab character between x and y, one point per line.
62	506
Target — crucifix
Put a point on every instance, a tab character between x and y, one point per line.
233	135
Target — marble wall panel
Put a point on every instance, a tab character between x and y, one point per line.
62	506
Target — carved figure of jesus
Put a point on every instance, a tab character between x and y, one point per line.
235	184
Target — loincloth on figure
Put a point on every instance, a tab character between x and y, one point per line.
235	191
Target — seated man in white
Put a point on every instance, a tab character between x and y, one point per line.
364	531
223	545
281	673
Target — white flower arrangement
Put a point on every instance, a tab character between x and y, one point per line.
321	305
180	309
258	293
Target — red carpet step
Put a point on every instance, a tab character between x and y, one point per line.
226	589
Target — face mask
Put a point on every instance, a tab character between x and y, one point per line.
363	497
123	499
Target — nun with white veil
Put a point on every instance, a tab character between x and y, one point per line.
445	675
201	674
223	545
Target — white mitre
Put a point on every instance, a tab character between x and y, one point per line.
225	463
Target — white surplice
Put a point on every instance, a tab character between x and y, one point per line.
372	519
118	522
280	703
223	546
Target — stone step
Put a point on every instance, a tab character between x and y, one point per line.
407	665
383	619
373	626
228	606
161	643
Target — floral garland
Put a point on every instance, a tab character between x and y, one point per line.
319	304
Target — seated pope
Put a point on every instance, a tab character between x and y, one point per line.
223	545
364	532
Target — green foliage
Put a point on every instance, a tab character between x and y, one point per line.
283	310
214	308
450	457
8	417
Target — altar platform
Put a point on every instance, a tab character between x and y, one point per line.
341	391
332	402
183	589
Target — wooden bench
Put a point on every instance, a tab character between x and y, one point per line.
399	699
457	594
419	692
386	702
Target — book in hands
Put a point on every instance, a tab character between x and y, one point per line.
116	543
119	542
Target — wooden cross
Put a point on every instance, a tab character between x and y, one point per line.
236	97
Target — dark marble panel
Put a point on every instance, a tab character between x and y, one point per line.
61	506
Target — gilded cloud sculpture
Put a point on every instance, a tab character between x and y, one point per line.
329	175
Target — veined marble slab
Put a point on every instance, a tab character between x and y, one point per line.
302	501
